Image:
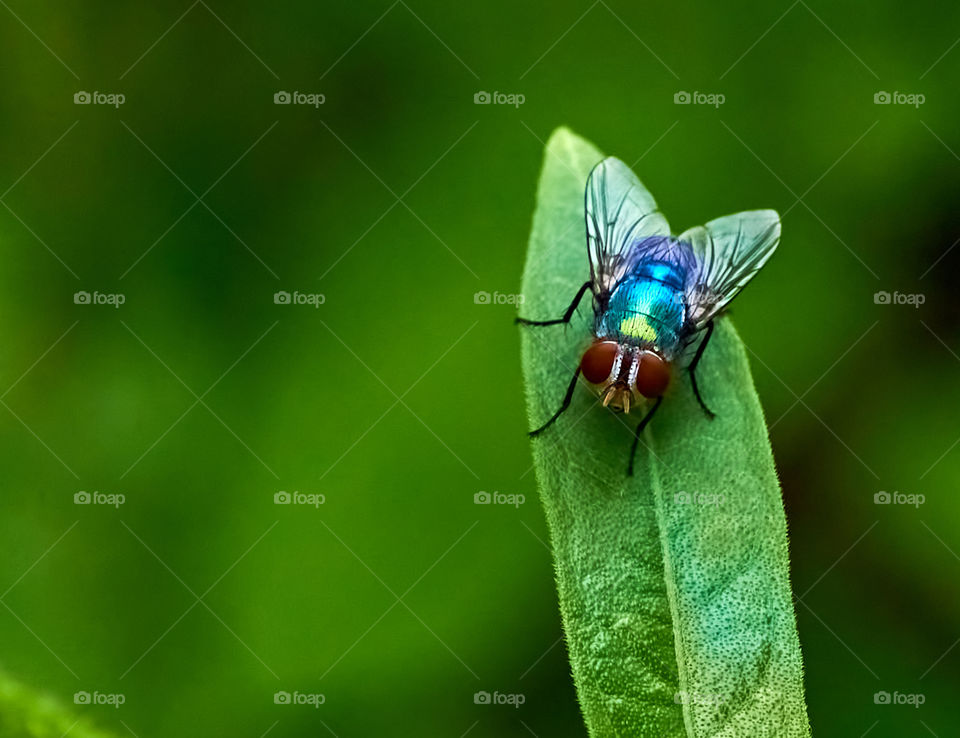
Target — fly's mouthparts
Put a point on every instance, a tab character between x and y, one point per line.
619	394
608	393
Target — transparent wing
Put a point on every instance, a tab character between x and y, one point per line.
620	214
729	251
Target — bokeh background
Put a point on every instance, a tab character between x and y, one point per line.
399	398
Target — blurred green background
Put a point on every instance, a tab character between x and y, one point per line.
399	398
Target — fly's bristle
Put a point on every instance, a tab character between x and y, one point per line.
626	401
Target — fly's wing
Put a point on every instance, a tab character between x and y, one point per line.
728	251
620	214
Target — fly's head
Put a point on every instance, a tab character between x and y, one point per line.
624	372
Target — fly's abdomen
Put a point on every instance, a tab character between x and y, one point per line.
645	309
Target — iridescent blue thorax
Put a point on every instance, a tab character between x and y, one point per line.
646	308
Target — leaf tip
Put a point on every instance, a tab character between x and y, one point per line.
564	139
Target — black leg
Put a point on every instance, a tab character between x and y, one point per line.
636	435
693	366
566	403
566	316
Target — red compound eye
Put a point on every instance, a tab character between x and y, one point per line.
597	361
653	375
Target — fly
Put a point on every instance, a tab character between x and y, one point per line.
655	295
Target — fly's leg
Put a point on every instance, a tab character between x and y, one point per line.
576	375
566	316
693	366
566	403
636	434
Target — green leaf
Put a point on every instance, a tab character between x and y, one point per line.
678	613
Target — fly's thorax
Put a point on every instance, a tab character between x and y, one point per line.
647	309
671	275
